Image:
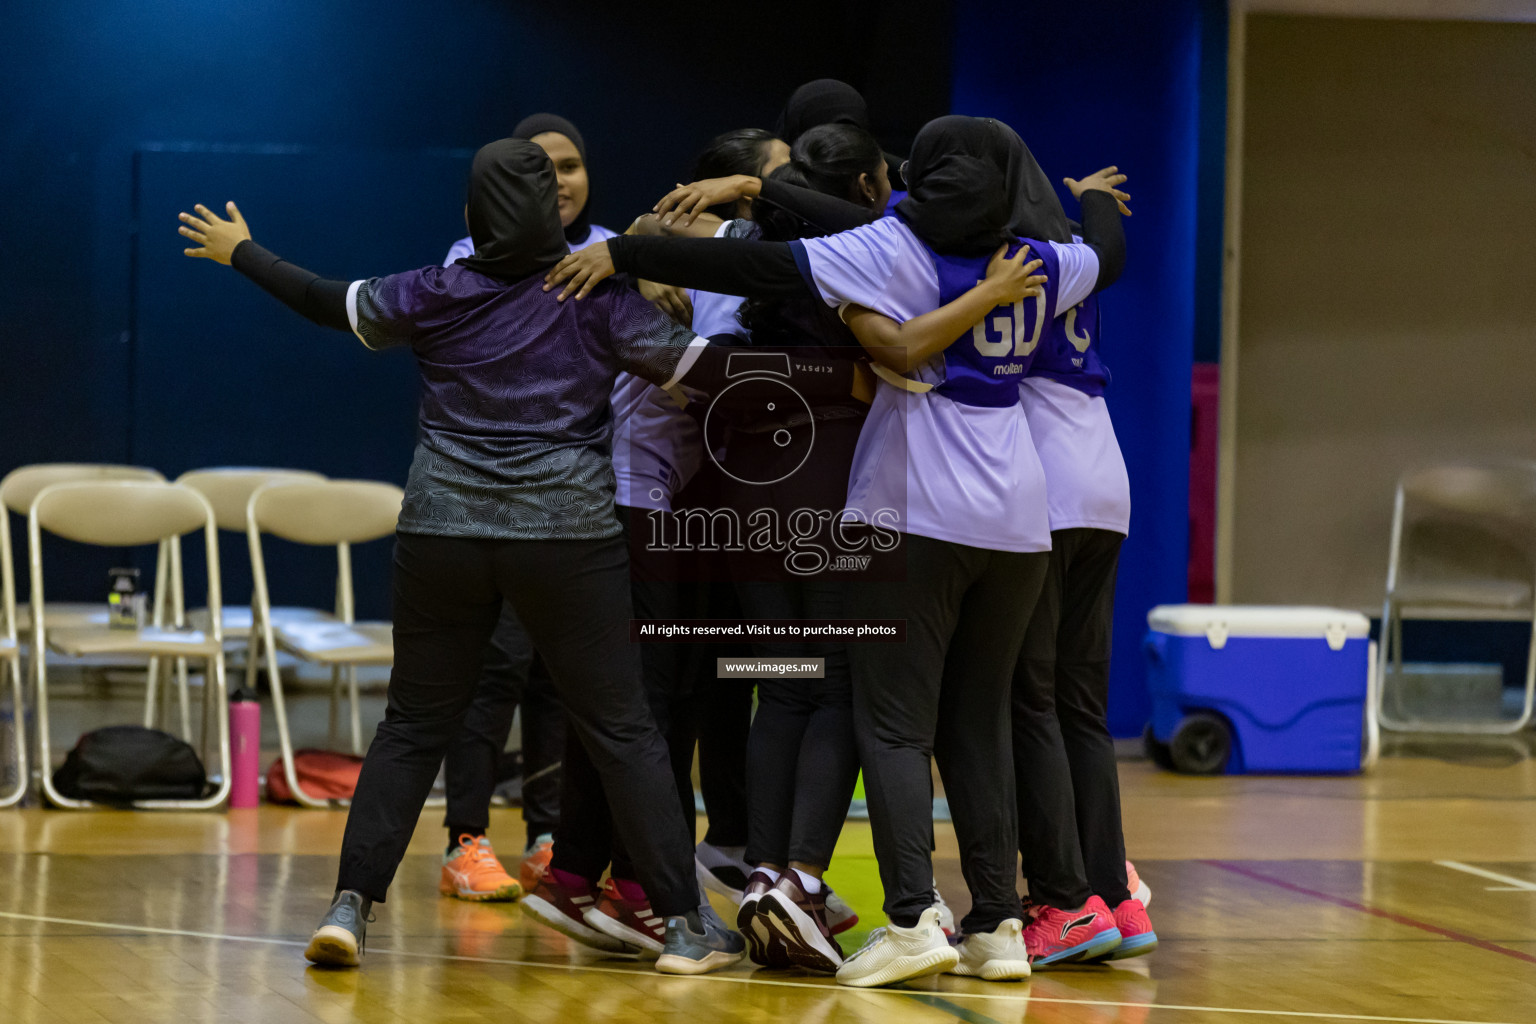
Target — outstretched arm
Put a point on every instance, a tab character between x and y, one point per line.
678	208
731	266
229	242
905	346
1102	204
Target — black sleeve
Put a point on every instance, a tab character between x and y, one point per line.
1104	232
828	213
730	266
306	293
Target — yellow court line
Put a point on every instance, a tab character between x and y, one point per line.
828	986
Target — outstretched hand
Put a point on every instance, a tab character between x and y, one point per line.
1105	181
1013	278
679	207
217	236
583	269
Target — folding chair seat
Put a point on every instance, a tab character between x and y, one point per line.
129	513
328	513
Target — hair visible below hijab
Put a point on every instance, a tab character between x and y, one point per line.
742	151
823	101
513	212
538	124
832	156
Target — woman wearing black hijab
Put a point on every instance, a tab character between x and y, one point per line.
514	675
830	101
950	453
510	498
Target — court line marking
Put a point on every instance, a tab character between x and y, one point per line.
1024	994
1340	901
1511	883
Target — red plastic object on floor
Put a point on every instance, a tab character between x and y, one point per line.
323	774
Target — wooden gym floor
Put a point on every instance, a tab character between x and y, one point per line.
1407	895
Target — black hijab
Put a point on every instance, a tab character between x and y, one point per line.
1037	211
973	185
538	124
824	101
957	201
513	212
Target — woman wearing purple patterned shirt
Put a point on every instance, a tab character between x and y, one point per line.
510	497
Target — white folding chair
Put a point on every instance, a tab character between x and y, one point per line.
10	662
330	513
126	513
17	491
1463	547
229	489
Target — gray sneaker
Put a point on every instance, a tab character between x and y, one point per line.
688	951
339	940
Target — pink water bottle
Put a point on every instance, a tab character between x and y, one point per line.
244	749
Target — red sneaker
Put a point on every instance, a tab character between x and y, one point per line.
623	912
840	916
1055	936
1136	935
562	908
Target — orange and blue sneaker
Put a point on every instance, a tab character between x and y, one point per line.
472	872
536	861
1054	936
1136	935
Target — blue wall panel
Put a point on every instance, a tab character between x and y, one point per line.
1090	84
336	125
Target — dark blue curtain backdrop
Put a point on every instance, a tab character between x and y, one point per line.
344	130
1089	84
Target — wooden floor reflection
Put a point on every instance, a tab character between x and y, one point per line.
1406	895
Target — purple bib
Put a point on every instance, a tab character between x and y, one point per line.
1070	352
985	366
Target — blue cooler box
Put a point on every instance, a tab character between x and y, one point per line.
1257	689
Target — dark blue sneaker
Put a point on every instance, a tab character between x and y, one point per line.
691	951
339	940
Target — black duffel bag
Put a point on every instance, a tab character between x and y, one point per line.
123	763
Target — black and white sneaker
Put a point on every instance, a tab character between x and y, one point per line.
722	871
339	940
800	918
710	948
764	943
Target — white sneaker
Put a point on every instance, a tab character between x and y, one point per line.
895	954
997	955
721	871
946	916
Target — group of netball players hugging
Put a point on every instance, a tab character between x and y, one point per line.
940	315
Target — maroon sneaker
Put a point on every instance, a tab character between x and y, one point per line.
561	908
800	918
763	943
622	912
